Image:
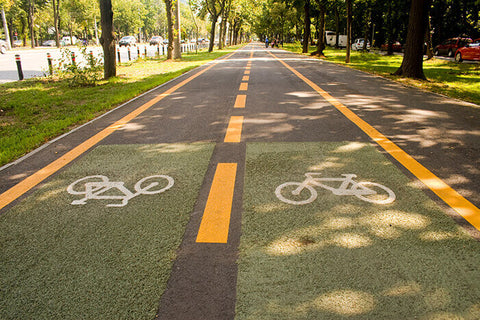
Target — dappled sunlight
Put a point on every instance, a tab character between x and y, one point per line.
171	148
351	240
351	147
395	218
327	164
339	223
131	126
437	299
438	235
341	302
411	288
303	94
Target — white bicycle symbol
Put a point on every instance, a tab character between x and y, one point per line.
299	193
96	187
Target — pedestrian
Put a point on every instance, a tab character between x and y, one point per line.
266	42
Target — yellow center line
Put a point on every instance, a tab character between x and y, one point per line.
450	196
247	72
28	183
216	217
248	68
243	86
245	78
234	130
240	101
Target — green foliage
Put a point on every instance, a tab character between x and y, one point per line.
74	73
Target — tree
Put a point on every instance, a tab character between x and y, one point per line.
5	27
307	22
215	9
170	27
177	51
349	30
412	64
108	39
321	28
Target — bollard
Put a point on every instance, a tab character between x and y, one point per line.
118	55
73	59
50	65
145	52
92	62
129	56
138	52
19	67
158	49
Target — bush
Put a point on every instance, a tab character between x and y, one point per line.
77	75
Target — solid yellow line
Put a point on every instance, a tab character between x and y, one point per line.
234	130
245	78
28	183
216	217
243	86
240	101
450	196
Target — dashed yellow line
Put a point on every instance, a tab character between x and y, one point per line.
216	217
247	72
245	78
243	86
240	101
234	130
28	183
450	196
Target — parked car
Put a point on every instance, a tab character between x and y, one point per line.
450	46
358	44
3	47
396	46
128	41
156	40
470	52
49	43
17	43
66	41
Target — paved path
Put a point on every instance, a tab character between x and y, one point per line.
265	110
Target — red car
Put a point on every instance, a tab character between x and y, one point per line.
450	46
396	46
469	52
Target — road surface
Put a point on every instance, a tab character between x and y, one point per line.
264	185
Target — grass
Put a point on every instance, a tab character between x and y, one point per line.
54	108
456	80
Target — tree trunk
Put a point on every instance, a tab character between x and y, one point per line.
30	20
412	64
212	34
321	30
337	27
367	27
306	32
108	39
5	28
349	30
177	50
428	39
55	22
169	11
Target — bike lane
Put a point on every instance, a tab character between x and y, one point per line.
96	239
334	255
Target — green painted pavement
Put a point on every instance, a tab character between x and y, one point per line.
91	261
340	257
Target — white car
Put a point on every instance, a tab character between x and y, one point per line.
358	44
66	41
3	47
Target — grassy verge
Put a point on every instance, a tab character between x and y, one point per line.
456	80
37	110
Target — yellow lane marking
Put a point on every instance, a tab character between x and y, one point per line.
216	217
247	71
243	86
248	68
240	101
234	130
245	78
450	196
28	183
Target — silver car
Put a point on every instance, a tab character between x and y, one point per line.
3	46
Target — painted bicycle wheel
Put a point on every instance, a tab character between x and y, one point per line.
154	184
288	193
380	194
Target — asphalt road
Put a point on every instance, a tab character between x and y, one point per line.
270	96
